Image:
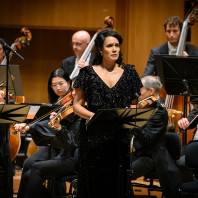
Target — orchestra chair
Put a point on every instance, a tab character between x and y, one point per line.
191	159
173	146
71	179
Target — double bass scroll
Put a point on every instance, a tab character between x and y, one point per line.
109	22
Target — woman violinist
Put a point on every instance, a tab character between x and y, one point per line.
109	83
38	166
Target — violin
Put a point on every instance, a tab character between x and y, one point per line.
65	111
68	99
148	102
15	140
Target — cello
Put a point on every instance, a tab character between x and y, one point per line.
19	43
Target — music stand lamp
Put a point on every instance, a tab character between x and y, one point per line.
179	77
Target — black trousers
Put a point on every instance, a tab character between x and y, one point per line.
141	166
40	171
41	155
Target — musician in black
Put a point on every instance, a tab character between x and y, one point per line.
59	85
5	155
64	137
188	123
173	27
6	181
149	143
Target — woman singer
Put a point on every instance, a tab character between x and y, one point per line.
109	83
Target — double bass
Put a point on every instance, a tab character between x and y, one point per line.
175	115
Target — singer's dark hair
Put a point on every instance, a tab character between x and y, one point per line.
57	73
99	42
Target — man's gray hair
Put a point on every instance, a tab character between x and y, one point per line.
152	82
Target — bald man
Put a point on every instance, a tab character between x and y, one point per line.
72	65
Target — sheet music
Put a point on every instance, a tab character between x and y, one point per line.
33	111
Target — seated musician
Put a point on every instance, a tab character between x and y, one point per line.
3	133
149	143
188	123
4	162
38	166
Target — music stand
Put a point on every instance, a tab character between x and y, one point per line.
38	110
179	77
128	118
10	114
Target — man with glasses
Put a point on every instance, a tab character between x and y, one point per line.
72	65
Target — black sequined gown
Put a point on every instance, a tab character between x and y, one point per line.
103	156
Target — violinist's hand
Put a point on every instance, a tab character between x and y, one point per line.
22	127
2	97
52	115
185	53
82	63
54	123
183	123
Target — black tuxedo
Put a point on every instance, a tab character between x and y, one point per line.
68	64
163	49
151	153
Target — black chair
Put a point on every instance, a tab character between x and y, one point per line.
173	146
191	159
